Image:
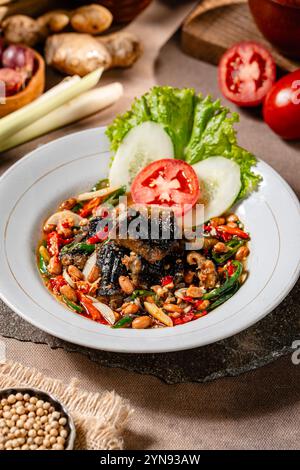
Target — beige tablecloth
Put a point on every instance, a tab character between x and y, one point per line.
257	410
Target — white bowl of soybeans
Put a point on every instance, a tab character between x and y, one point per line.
31	419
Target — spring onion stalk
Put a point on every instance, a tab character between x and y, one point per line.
51	100
82	106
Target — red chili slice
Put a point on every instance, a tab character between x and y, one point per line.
166	280
201	314
56	283
90	309
88	207
233	231
53	243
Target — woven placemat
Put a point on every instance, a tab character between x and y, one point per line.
99	418
259	345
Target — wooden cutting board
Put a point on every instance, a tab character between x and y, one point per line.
215	25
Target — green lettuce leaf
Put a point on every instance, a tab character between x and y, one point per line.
198	127
171	107
213	134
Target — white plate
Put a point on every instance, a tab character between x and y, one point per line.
34	186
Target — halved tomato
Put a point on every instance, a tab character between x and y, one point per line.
247	72
167	182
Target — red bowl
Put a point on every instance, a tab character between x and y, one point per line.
279	22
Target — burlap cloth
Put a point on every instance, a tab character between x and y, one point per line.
258	410
99	417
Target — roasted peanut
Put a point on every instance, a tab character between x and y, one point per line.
208	275
141	323
83	286
130	309
209	242
217	221
65	232
232	225
160	291
68	292
68	204
117	316
83	222
170	300
75	273
220	248
188	277
54	266
232	218
49	228
194	292
195	258
242	253
204	304
44	253
126	284
174	314
172	308
94	274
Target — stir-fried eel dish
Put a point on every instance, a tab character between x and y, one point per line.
149	262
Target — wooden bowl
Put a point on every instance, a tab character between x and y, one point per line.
58	405
125	11
33	89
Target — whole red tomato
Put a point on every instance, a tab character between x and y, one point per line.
282	107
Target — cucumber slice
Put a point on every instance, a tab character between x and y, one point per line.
142	145
220	184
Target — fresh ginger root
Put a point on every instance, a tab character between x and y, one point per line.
124	48
90	19
74	53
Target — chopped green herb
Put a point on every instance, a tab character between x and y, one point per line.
113	198
101	184
233	245
42	266
122	322
228	284
72	305
77	207
141	293
84	247
224	298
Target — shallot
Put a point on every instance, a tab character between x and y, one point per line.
19	58
60	216
12	79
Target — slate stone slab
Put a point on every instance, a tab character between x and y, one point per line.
257	346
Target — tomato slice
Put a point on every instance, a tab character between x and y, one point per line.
247	72
167	182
